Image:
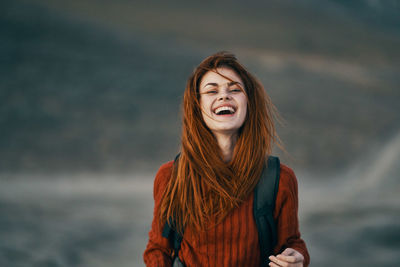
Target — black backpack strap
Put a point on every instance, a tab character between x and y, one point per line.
175	239
169	232
263	207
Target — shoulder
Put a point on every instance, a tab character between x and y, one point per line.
287	179
162	178
287	196
165	168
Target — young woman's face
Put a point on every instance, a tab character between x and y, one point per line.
223	102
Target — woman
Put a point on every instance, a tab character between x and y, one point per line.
207	193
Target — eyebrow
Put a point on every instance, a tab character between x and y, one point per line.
229	84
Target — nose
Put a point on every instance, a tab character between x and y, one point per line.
224	95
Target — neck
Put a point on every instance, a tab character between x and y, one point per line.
226	143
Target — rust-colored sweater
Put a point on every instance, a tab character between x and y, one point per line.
234	241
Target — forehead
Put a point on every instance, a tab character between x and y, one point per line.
218	77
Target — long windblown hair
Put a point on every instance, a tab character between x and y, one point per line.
203	188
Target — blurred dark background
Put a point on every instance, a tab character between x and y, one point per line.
90	96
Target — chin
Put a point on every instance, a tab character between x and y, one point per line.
226	130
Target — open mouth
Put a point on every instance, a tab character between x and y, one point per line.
225	110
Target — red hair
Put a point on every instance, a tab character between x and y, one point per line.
203	188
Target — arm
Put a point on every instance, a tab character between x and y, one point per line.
291	250
158	251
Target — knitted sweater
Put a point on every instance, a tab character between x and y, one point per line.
234	241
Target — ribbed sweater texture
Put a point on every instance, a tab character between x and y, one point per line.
234	241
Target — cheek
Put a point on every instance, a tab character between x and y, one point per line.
243	104
243	115
205	111
204	105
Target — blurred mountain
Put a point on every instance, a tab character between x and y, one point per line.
96	85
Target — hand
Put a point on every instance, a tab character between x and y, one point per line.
288	258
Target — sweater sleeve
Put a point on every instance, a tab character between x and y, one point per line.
158	251
286	215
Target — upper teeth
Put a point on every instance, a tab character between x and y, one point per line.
224	108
